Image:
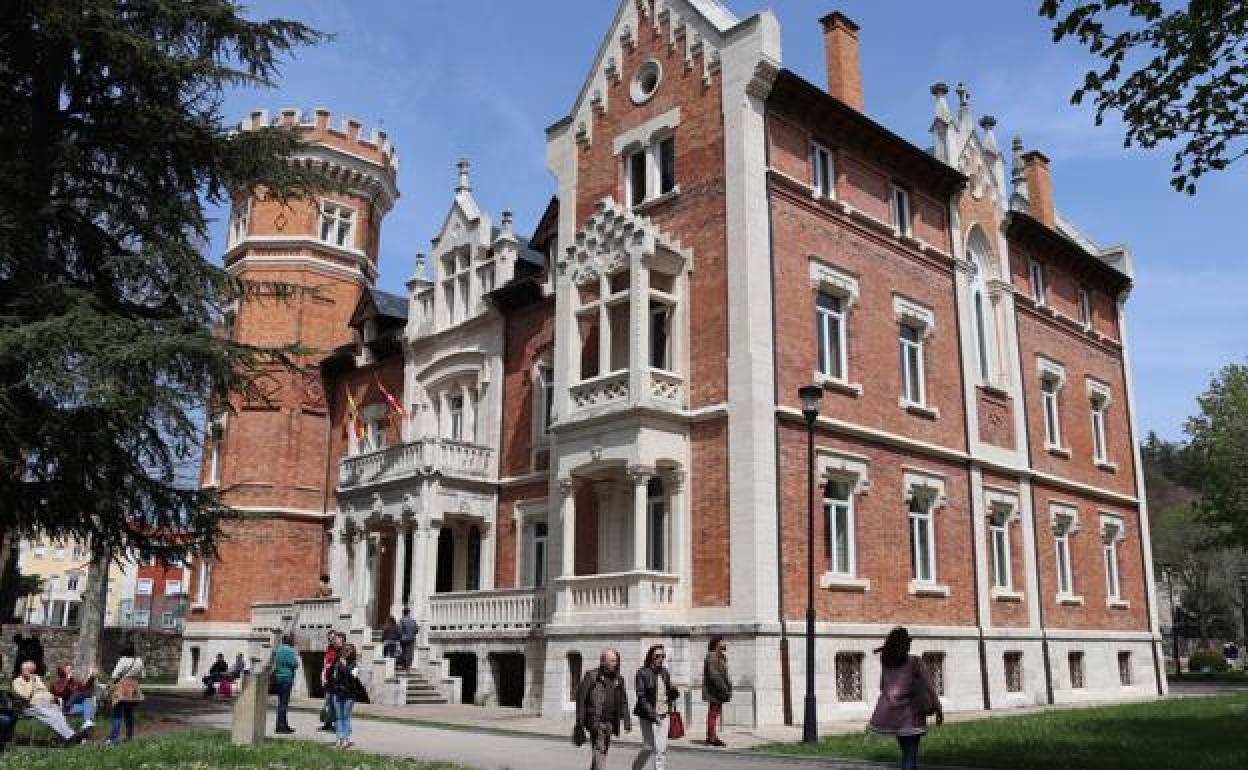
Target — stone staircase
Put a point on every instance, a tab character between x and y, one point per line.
416	688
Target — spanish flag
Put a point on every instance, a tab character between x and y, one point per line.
353	414
394	402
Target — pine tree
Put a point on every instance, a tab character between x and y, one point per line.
114	145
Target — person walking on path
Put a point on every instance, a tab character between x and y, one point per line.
77	697
285	664
907	697
407	637
390	637
345	688
654	708
716	687
333	645
601	705
124	693
39	704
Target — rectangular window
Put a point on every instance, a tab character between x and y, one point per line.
1085	307
1065	581
660	336
71	583
1049	387
240	216
461	293
41	551
934	662
455	405
635	177
58	553
838	510
539	554
547	376
1013	672
1113	585
166	620
1075	661
1098	430
1036	271
80	552
337	222
173	588
1124	669
452	312
205	582
667	165
912	384
486	278
143	587
901	210
922	545
822	178
575	663
142	618
830	333
1000	531
656	536
375	434
849	676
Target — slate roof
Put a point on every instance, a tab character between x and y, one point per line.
389	305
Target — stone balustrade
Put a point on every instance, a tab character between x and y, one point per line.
618	595
507	610
423	456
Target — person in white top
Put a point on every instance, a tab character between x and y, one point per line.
124	693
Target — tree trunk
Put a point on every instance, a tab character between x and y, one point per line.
91	613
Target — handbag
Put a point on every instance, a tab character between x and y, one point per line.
675	726
125	689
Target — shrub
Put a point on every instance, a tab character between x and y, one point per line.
1207	659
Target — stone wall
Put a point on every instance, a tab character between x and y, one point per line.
159	650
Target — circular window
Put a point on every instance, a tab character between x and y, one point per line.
646	81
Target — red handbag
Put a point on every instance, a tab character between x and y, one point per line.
675	726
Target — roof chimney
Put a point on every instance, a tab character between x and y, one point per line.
1039	187
840	40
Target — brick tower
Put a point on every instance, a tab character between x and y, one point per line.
269	456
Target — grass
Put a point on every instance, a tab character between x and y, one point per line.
1236	677
1180	733
206	750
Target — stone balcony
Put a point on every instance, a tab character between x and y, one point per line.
421	457
503	612
617	597
659	389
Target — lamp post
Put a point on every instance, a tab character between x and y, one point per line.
1168	571
1243	617
810	395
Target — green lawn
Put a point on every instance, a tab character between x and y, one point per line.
205	750
1182	733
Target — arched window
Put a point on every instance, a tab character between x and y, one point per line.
980	259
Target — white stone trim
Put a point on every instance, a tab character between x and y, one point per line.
838	464
655	128
1100	389
932	484
934	590
831	280
909	311
1064	510
834	582
1114	520
1051	369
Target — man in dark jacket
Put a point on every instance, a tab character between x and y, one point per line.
716	687
216	672
601	704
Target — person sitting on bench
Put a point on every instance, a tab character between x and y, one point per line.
40	704
220	669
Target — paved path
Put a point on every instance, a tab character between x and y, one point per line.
498	751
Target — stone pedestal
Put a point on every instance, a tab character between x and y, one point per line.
247	726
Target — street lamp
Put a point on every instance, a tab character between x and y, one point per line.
1168	571
810	395
1243	616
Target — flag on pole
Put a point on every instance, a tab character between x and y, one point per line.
395	404
353	414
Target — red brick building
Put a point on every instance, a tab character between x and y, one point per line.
596	437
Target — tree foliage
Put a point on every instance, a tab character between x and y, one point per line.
1219	449
1175	72
114	144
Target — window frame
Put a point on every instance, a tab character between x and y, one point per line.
333	217
913	374
825	318
240	224
901	209
832	529
636	163
143	587
1002	564
924	521
1085	307
1039	283
1064	526
822	171
1112	533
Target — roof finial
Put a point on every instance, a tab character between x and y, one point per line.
987	123
464	184
506	223
964	96
1017	175
939	90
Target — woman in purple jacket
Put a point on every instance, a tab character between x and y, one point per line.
906	697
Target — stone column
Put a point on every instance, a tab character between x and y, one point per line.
374	576
678	523
469	419
641	477
567	524
359	578
400	568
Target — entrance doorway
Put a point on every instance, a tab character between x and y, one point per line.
464	666
508	668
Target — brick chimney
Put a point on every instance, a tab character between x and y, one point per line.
840	40
1039	187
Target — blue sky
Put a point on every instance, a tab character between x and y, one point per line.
483	78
